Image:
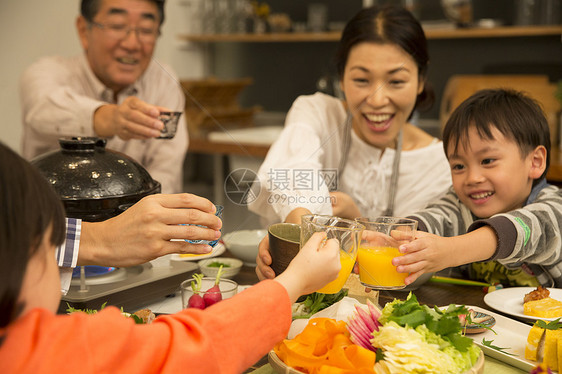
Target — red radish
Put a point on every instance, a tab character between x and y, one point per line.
213	294
196	301
362	323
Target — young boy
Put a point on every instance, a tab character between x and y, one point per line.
500	207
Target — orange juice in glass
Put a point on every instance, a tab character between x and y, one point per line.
336	285
347	232
379	245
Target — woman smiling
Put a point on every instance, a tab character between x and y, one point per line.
359	156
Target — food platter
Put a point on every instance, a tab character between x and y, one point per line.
510	301
280	367
217	251
509	334
506	333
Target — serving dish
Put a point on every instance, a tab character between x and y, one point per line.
510	301
231	268
508	334
280	367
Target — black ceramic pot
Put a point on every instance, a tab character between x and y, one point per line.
94	183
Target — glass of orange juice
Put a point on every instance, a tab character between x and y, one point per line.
347	232
379	245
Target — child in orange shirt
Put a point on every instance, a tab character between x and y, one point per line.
225	338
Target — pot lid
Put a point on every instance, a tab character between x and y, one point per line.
84	169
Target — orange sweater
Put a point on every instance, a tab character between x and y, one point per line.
227	337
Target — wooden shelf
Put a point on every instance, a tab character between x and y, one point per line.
431	33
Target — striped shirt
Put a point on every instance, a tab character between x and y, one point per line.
67	253
528	236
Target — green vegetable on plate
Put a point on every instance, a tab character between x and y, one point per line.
217	264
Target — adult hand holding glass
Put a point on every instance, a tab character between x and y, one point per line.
143	232
132	119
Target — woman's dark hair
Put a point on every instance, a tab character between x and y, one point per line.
28	207
388	24
517	116
89	9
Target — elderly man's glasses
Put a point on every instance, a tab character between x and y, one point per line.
146	35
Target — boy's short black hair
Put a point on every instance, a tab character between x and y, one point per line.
28	207
517	116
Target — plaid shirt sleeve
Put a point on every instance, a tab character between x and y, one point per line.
67	253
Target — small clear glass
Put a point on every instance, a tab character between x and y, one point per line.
347	232
212	243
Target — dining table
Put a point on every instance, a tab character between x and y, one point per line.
431	293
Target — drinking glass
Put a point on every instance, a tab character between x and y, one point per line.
284	244
347	232
379	245
212	243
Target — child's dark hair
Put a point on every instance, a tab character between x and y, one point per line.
388	24
28	207
517	116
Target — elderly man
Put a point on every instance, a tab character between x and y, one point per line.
114	90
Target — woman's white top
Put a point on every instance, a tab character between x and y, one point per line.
301	167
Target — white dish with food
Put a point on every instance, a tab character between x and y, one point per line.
510	301
210	266
217	250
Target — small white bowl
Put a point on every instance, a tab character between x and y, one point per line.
244	244
233	268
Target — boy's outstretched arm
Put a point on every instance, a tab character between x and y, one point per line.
430	253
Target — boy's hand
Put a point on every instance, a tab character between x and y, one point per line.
427	253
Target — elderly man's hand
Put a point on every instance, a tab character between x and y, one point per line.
132	119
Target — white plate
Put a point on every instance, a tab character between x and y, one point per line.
509	334
217	251
510	301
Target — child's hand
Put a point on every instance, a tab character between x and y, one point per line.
427	253
316	264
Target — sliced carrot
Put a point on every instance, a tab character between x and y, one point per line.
324	347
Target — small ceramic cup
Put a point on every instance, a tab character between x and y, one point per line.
284	244
170	121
